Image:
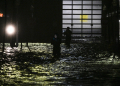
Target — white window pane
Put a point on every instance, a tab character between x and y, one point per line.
97	7
66	25
67	2
87	7
76	30
84	35
96	21
83	17
77	12
78	16
74	35
66	21
96	16
98	35
97	12
86	21
76	26
86	31
76	21
86	26
97	2
96	30
77	6
86	11
77	2
87	2
66	16
67	6
96	26
67	11
80	21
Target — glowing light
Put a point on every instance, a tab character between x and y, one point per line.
1	14
10	29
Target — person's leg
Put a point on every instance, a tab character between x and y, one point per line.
54	55
58	52
54	51
69	43
66	42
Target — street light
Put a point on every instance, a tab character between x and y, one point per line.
10	29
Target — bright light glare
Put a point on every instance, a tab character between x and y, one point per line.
10	29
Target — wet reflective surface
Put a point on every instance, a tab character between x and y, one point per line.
81	65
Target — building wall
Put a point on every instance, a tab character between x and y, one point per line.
40	23
110	21
38	20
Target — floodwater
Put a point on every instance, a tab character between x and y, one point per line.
80	65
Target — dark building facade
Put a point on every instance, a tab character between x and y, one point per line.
110	22
38	20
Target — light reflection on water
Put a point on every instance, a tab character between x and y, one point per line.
69	70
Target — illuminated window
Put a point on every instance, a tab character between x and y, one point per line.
82	16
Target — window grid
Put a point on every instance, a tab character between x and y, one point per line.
75	16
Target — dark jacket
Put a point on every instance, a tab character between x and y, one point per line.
56	42
68	34
56	45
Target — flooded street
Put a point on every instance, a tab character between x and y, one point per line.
81	65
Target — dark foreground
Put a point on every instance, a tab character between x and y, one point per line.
81	65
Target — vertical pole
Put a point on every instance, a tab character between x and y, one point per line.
17	4
17	28
72	21
17	35
4	28
118	26
21	46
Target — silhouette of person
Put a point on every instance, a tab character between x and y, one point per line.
56	41
68	33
